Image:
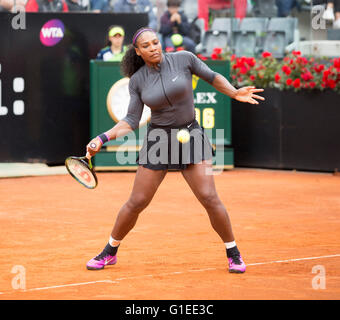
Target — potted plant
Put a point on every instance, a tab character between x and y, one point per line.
298	125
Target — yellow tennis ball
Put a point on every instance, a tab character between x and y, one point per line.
177	39
183	136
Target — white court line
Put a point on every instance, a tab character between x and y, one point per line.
71	285
166	274
292	260
63	286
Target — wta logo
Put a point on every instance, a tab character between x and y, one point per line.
52	32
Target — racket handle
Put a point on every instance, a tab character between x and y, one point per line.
92	146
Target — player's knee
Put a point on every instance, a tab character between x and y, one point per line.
209	199
138	203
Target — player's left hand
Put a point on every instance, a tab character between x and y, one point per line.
246	94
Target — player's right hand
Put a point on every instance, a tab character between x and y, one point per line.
94	146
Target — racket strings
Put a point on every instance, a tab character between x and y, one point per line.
81	172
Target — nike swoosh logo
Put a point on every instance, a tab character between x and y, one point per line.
174	79
107	261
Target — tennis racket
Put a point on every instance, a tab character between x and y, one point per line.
81	169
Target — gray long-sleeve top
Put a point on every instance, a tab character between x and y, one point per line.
167	91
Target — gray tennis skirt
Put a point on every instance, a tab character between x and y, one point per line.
161	149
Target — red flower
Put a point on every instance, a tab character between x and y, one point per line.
169	49
297	83
302	60
277	77
240	62
202	57
243	70
319	68
294	72
242	59
214	56
312	84
266	54
217	50
336	62
326	73
251	62
307	76
331	83
286	70
296	53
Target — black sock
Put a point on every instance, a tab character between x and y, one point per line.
112	251
232	252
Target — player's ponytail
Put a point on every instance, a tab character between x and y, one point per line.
131	62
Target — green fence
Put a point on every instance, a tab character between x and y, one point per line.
109	99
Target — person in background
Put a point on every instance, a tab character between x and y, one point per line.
137	6
115	50
331	7
175	26
12	5
284	7
46	6
75	6
100	6
240	7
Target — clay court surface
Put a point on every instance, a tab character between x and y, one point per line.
286	224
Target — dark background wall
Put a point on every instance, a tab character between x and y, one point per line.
55	122
289	130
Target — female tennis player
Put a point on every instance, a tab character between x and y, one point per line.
163	81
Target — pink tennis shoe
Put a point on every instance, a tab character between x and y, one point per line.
236	264
100	261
